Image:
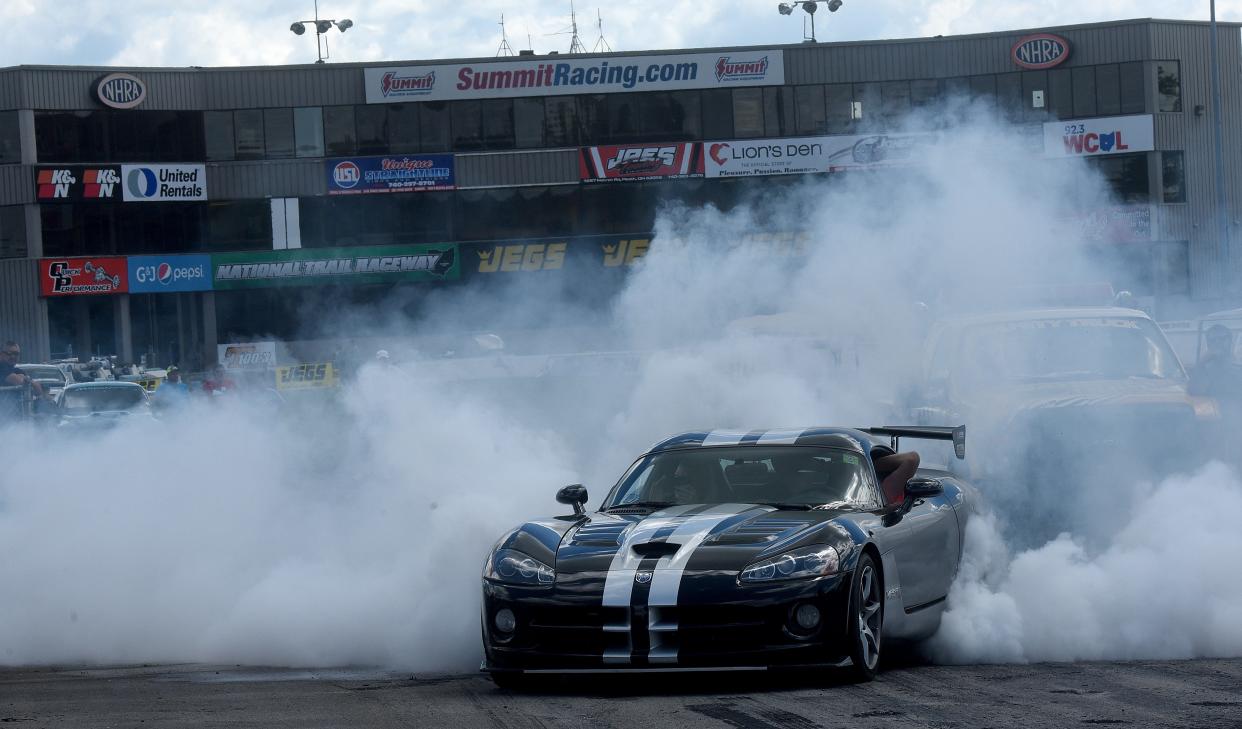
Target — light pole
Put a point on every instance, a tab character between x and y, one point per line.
1222	211
321	27
810	6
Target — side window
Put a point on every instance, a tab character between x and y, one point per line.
1173	176
1169	86
868	494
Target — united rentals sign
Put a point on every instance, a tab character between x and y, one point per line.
320	266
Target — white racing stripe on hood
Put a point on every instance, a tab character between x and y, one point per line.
666	583
724	437
620	581
779	437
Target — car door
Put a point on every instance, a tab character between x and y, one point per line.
925	545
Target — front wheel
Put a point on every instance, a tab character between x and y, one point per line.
866	621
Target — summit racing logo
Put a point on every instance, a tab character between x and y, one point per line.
729	70
419	85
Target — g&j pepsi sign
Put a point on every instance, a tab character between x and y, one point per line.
169	274
120	90
1042	50
400	173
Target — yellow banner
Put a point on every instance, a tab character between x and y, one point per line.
304	376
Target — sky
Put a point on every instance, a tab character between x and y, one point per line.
256	32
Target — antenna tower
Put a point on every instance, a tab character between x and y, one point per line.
505	49
601	45
575	42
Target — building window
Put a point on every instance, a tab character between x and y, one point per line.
218	134
894	102
1133	100
339	136
1009	99
13	231
560	121
1060	96
467	125
433	126
119	136
924	93
812	114
371	126
593	119
718	114
1173	176
1108	90
10	138
278	133
1084	91
747	113
238	225
308	131
403	125
528	119
983	90
1126	175
778	111
1169	85
248	134
498	124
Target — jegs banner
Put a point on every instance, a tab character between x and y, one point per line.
78	276
306	376
405	173
618	163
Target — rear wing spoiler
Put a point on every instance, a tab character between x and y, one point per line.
897	432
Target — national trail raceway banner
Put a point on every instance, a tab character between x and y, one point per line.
558	76
618	163
803	155
329	266
401	173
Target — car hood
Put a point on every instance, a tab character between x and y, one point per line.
722	537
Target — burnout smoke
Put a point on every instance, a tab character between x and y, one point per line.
356	534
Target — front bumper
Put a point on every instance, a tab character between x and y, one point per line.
717	623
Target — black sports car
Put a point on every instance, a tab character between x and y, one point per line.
731	549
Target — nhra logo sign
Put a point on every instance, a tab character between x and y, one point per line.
1042	50
169	274
614	163
69	184
120	91
78	276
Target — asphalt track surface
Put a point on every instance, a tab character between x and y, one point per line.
1199	693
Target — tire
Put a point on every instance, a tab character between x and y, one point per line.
866	620
510	680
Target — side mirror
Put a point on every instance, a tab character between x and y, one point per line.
923	488
574	494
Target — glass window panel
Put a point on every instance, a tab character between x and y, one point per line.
747	114
624	117
894	101
308	131
528	120
924	93
593	119
248	133
433	126
403	126
10	138
778	111
218	133
1060	94
278	132
1133	98
867	106
339	136
1173	176
812	113
371	122
1108	89
560	121
720	111
497	123
1009	95
1126	176
1168	86
1084	91
13	231
675	116
983	89
837	98
467	124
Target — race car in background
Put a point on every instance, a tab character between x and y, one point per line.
91	405
731	549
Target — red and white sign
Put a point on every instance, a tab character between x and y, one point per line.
613	163
1042	50
81	276
1094	137
554	75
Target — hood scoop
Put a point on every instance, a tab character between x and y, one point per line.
761	530
655	549
600	534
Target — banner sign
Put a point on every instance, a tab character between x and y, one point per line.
1094	137
247	356
307	376
407	173
1114	224
615	163
160	182
317	266
558	76
754	157
78	276
168	274
71	183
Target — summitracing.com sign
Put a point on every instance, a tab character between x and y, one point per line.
551	76
328	266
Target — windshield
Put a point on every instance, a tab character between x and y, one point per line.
43	373
1062	349
95	399
786	475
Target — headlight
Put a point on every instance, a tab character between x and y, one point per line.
515	568
806	562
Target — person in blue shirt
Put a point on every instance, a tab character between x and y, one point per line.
172	391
